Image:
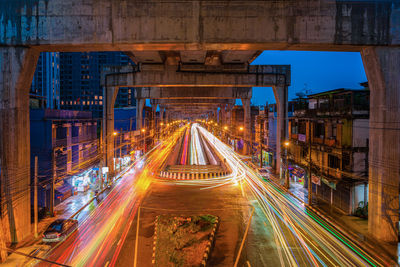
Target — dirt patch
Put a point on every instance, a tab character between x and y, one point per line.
183	240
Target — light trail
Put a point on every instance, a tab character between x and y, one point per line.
101	234
185	148
196	151
316	243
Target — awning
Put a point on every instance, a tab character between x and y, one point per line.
62	190
298	172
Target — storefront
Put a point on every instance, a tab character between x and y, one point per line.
85	180
297	174
63	190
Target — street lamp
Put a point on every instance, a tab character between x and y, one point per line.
144	140
241	128
115	153
287	184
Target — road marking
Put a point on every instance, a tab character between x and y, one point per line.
137	238
244	238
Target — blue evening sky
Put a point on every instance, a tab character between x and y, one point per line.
316	71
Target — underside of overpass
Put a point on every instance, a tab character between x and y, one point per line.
200	44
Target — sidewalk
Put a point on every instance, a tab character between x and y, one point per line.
355	226
64	210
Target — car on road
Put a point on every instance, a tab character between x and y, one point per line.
24	256
59	230
263	172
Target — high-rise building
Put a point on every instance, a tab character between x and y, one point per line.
80	80
45	88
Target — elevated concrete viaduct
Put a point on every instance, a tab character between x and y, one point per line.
149	78
209	33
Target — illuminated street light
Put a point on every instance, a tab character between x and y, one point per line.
161	123
286	143
143	130
241	128
287	179
115	133
225	127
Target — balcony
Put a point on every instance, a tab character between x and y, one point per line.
318	140
330	142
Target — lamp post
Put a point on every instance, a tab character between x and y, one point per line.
287	184
115	134
241	129
226	133
144	140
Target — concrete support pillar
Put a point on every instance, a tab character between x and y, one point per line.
247	126
281	97
382	66
153	122
222	116
140	102
153	115
167	115
229	116
110	95
161	114
17	66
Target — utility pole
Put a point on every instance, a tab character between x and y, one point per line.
120	150
130	134
309	165
35	198
52	183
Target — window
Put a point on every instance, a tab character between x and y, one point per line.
334	129
333	162
346	161
294	127
54	132
319	130
302	128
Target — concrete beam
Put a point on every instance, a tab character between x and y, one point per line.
193	92
194	101
255	76
130	25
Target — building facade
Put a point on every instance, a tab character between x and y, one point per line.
66	145
333	126
45	88
237	128
80	81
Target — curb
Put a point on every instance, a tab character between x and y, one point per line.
153	255
210	244
190	176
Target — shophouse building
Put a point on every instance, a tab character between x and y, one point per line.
66	145
333	125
